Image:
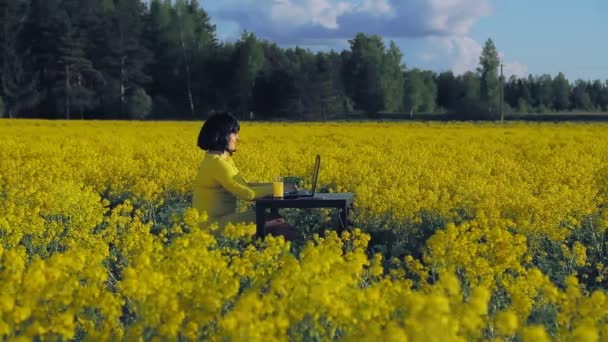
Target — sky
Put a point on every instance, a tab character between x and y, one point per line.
533	37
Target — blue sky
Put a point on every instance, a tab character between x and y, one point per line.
533	37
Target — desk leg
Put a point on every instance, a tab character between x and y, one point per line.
260	221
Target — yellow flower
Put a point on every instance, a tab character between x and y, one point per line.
534	334
585	334
506	322
97	230
479	300
580	253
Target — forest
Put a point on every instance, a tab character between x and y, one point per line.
162	60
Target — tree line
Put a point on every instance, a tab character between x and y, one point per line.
161	59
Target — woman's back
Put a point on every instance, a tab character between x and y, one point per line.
209	194
219	184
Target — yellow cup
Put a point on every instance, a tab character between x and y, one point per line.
277	189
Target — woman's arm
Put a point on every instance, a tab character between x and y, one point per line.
287	186
258	184
261	189
228	176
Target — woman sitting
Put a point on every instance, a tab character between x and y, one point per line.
219	183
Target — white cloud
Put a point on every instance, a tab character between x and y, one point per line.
457	53
300	20
456	17
323	13
515	68
376	7
464	52
461	54
443	25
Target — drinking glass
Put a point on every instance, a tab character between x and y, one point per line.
278	188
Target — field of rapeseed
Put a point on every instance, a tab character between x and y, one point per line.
463	231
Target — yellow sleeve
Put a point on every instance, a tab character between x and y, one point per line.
230	178
262	190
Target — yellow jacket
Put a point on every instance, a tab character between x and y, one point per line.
219	184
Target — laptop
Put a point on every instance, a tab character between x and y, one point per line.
306	192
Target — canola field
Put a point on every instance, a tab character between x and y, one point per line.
462	231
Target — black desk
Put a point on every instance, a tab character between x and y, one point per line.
341	201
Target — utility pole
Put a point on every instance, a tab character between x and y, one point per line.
502	96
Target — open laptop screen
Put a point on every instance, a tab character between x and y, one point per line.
315	179
315	175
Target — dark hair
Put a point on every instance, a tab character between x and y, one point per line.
215	131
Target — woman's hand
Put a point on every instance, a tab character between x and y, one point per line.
287	186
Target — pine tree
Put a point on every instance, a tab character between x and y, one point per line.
580	97
203	44
544	93
447	90
183	43
43	27
490	83
512	91
392	78
123	56
413	90
275	84
429	96
18	86
365	72
78	80
250	58
469	104
561	92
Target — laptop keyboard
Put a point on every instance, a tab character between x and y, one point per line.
296	193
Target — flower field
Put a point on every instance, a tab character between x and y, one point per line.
462	231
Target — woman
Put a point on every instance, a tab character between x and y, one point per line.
219	183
